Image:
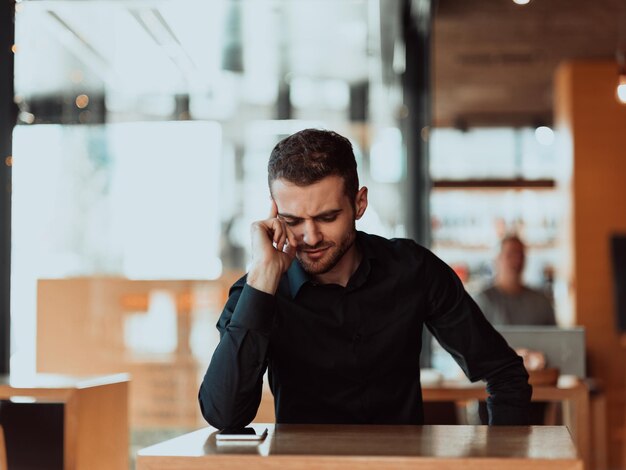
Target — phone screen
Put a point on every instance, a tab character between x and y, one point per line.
244	434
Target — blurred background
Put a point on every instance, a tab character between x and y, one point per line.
144	127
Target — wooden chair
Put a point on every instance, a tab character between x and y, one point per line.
3	452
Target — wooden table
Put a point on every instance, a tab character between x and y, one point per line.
338	447
95	415
574	394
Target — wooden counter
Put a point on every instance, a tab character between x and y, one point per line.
95	415
372	447
573	393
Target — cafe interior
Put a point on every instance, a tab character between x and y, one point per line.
134	140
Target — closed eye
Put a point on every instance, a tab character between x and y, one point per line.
326	217
290	221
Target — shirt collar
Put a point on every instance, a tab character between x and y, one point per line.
297	276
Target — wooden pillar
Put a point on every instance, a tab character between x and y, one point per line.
7	121
416	82
592	124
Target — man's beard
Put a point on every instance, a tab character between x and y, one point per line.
331	258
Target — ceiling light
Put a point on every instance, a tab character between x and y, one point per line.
82	101
621	89
521	2
621	77
544	135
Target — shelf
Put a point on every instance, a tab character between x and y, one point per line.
440	244
515	183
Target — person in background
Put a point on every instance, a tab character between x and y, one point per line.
336	315
508	301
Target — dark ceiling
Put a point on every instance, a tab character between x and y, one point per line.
494	60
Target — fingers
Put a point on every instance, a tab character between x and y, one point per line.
284	239
290	250
291	238
279	233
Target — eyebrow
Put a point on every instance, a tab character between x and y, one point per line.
321	215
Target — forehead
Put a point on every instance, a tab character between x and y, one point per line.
326	194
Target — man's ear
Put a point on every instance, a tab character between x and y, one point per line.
360	203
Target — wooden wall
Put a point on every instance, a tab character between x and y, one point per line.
592	129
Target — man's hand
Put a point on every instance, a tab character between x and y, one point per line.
273	250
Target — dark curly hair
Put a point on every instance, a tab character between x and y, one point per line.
311	155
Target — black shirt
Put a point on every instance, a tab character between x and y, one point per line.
351	355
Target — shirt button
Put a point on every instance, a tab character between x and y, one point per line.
357	337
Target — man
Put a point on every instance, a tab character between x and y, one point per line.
337	315
508	301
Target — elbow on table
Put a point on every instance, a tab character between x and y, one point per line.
216	415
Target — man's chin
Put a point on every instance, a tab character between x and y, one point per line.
331	258
314	267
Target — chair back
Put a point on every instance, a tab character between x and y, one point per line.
3	452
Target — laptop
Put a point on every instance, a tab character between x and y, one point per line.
563	347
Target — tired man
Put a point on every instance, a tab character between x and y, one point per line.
336	315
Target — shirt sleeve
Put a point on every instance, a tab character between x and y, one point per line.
483	354
231	390
486	307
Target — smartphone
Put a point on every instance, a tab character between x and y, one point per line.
245	434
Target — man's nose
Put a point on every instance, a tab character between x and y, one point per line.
312	235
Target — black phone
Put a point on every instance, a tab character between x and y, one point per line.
242	434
